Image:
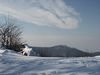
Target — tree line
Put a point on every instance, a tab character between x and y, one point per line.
10	34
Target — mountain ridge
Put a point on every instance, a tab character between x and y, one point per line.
61	51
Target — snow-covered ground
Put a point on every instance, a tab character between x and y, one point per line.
12	63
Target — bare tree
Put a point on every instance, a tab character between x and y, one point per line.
10	34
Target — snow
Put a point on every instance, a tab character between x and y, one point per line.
97	56
1	52
27	50
12	63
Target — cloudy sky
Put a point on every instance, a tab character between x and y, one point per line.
57	22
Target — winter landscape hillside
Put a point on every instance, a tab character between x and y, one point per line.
49	37
12	63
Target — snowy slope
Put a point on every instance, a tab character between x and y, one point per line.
12	63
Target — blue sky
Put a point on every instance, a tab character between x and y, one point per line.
57	22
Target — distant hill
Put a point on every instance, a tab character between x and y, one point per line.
60	51
95	53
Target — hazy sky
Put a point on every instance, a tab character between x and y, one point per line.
75	23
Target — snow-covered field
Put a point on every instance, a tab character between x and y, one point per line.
12	63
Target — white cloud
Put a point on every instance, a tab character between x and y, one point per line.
42	12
